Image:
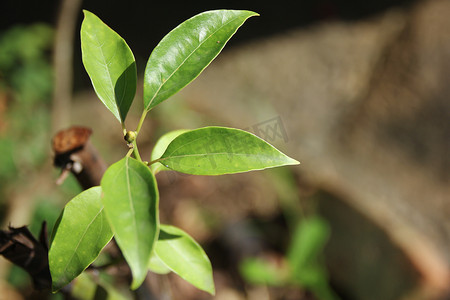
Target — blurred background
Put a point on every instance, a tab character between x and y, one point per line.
358	92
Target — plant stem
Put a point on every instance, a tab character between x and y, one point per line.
141	121
136	151
155	161
124	129
135	147
129	152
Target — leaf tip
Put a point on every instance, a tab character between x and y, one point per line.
87	13
56	286
250	13
293	161
212	292
137	282
289	161
208	286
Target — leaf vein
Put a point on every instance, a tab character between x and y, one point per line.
130	200
80	240
106	67
187	57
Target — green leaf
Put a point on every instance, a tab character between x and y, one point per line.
220	150
161	146
80	234
130	197
187	50
110	64
185	257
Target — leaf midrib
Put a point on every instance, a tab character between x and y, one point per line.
105	64
192	262
182	63
214	154
81	239
130	201
181	254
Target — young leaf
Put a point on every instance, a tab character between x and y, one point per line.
130	198
184	256
110	64
187	50
220	150
80	234
161	146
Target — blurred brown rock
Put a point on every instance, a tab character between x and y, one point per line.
365	107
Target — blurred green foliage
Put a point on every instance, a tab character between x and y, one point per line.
101	287
25	94
303	264
259	271
26	84
24	62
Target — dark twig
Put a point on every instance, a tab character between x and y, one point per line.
20	247
75	153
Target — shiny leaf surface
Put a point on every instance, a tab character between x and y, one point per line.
161	146
221	150
184	256
79	235
187	50
110	64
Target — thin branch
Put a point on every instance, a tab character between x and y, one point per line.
62	62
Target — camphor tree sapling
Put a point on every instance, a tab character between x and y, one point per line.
125	205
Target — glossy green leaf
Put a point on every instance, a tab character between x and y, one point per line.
220	150
161	146
187	50
185	257
80	234
130	198
110	64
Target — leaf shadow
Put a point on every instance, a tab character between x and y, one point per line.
163	235
125	89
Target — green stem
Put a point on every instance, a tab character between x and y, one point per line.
141	121
155	161
134	148
136	151
123	128
130	151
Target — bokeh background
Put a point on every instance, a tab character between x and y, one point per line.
358	92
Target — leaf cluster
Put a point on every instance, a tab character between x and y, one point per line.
125	206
